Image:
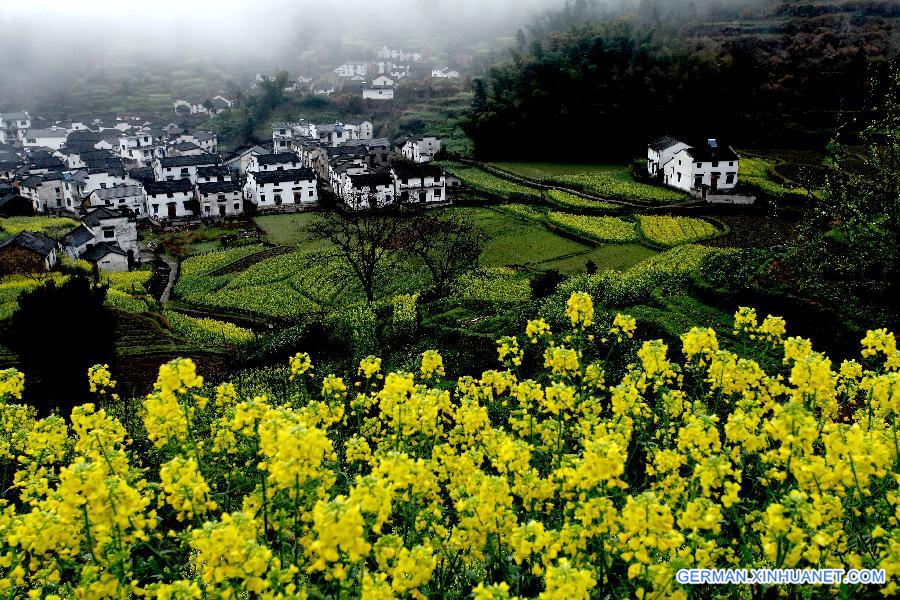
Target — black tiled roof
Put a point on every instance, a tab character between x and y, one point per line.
98	251
97	215
415	171
190	161
214	171
32	240
663	142
142	174
176	186
219	187
286	175
371	180
707	152
78	237
277	159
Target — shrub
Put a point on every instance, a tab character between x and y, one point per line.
405	315
520	474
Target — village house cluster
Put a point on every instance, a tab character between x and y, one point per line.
376	78
113	173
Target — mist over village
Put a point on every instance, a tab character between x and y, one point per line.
575	299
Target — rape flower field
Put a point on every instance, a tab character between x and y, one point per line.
671	231
207	332
54	227
602	229
566	200
588	464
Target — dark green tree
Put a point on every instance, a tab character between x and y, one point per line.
58	332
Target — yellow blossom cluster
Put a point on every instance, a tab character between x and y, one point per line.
585	476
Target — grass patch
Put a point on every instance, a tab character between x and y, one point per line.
617	257
290	230
483	181
612	181
567	201
518	241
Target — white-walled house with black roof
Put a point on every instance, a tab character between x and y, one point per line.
419	183
280	161
660	151
124	195
705	168
214	173
273	189
170	199
220	198
360	190
183	167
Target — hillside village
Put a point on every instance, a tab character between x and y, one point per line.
118	172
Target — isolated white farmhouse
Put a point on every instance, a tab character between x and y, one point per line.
703	168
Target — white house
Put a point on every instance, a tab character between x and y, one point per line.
78	184
268	189
141	147
351	69
396	54
125	195
359	191
706	168
107	237
46	192
334	134
182	167
419	183
184	149
660	151
381	93
284	133
170	199
444	73
220	198
281	161
12	126
45	138
241	159
108	257
382	81
205	140
421	148
113	226
215	173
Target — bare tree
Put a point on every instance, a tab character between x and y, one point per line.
364	238
448	247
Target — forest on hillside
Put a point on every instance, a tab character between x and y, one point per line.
601	81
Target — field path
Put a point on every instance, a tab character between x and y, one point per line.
174	269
